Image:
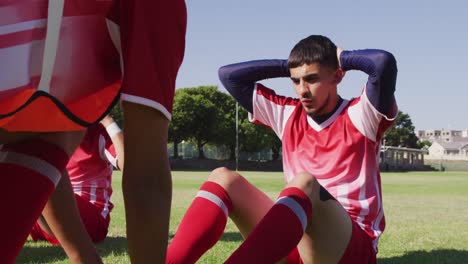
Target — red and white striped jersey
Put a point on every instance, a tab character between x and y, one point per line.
59	58
90	168
341	152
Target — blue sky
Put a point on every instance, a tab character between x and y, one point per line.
428	38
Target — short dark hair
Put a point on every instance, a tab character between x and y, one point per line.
314	49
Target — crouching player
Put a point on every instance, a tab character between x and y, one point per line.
90	170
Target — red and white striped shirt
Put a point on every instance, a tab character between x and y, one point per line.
342	152
90	168
67	50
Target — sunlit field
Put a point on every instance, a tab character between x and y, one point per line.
426	213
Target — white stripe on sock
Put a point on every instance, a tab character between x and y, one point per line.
215	199
296	208
40	166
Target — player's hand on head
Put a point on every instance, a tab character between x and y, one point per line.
338	54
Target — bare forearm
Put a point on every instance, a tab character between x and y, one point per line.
118	142
116	135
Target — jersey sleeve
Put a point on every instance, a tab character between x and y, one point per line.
270	109
375	110
368	120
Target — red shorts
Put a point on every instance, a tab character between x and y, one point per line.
153	45
359	250
95	224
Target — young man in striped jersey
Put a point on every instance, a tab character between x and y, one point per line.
90	169
330	210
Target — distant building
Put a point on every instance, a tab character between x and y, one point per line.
447	144
430	135
446	135
443	135
441	150
398	158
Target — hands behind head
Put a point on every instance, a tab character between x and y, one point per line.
338	54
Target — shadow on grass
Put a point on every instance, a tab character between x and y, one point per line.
45	253
232	236
227	236
113	246
40	254
438	256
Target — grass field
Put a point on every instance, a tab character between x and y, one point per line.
426	213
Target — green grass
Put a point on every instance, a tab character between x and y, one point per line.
426	213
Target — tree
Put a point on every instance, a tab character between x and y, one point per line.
179	127
255	138
196	116
252	138
424	144
225	129
116	114
401	134
207	116
275	143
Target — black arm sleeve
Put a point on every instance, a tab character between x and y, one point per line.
240	78
382	70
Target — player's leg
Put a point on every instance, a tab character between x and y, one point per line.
301	207
226	193
147	183
30	168
153	44
202	225
330	229
331	236
249	203
28	187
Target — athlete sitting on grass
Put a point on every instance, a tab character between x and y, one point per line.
330	210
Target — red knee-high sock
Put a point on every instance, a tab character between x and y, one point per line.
202	225
279	232
29	172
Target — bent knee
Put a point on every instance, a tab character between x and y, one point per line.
220	172
224	176
309	185
306	182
